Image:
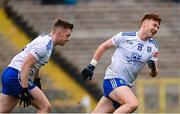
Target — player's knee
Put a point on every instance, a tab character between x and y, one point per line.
133	105
47	108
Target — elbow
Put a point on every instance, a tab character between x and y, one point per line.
104	46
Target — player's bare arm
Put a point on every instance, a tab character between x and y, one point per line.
88	71
102	48
29	61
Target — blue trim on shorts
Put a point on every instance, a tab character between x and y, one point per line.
11	82
109	85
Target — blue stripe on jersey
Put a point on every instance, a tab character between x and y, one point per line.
153	41
129	34
49	45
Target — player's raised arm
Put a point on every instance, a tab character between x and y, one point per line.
88	71
153	68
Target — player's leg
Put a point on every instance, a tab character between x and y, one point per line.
126	98
104	106
40	101
7	103
10	89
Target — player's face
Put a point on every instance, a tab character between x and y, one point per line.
152	27
63	36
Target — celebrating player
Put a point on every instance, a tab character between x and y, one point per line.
21	81
133	51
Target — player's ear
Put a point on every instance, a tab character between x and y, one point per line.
59	32
144	23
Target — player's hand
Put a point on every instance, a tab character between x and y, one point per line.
153	73
25	97
151	65
88	72
37	82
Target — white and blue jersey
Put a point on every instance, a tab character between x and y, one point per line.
41	48
130	56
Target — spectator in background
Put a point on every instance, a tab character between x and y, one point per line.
21	81
133	51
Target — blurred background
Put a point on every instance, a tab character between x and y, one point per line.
95	21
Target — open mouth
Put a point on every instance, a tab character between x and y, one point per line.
153	32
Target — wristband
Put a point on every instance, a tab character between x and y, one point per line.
93	62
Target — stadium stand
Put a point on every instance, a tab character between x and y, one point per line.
97	20
6	52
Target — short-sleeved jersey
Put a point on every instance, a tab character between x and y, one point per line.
130	56
41	48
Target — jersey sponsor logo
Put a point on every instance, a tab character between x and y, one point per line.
129	42
135	59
